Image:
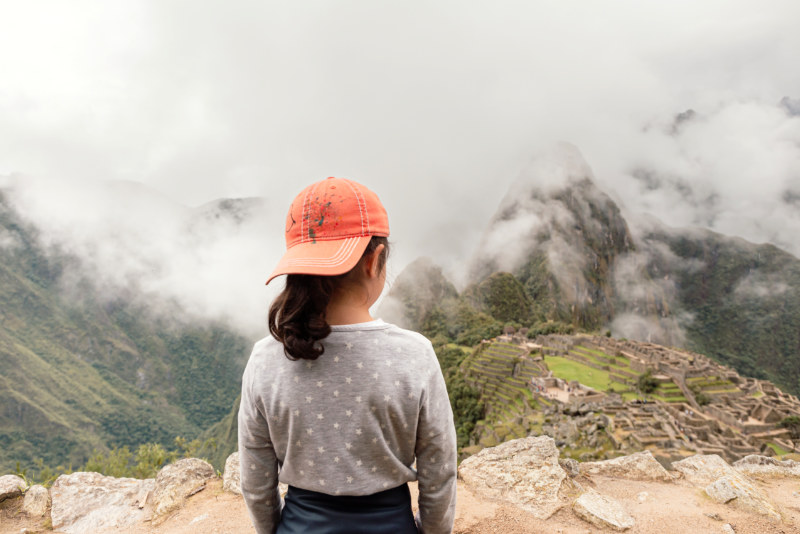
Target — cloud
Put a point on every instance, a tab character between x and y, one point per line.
134	243
436	106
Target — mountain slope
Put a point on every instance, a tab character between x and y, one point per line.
560	236
82	369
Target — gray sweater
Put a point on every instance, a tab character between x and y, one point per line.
350	423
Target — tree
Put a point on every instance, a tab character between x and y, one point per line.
646	383
792	424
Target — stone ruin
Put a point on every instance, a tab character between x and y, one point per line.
713	410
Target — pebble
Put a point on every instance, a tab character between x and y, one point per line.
728	529
198	519
713	515
642	496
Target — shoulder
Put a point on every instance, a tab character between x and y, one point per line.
414	343
409	337
265	351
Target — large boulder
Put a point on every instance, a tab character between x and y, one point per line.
765	466
703	469
637	466
36	502
743	495
90	502
231	478
524	472
177	481
11	486
725	484
602	511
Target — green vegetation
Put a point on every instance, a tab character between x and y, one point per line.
646	383
571	370
464	399
118	462
84	370
792	424
777	449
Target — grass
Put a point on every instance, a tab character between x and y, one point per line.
571	370
779	451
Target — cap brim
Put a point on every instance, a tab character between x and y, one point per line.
324	258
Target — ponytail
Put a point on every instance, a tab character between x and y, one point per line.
297	316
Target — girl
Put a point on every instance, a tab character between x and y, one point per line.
336	404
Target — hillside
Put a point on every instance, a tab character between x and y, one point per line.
85	367
585	391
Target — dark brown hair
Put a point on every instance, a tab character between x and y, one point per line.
297	315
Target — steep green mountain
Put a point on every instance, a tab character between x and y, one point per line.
560	236
82	368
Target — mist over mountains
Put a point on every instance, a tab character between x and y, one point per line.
127	317
561	251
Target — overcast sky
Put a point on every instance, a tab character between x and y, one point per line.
437	106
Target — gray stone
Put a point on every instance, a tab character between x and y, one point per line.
725	484
637	466
741	493
703	469
602	511
177	481
570	466
90	502
765	466
231	478
524	472
36	502
11	486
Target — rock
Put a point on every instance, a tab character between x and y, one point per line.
642	497
231	478
177	481
727	528
754	464
713	515
524	472
602	511
570	466
637	466
702	470
89	502
36	501
742	494
725	484
11	486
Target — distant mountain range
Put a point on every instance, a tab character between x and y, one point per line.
559	255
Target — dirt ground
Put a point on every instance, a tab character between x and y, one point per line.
657	507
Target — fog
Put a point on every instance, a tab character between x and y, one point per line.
436	106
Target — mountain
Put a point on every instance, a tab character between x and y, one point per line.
559	255
560	236
84	367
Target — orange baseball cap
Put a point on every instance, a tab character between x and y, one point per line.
329	226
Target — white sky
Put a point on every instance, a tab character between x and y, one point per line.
437	106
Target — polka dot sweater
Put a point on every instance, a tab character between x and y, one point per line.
353	422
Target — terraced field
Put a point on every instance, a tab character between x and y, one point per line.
512	407
604	372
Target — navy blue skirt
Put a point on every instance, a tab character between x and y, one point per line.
310	512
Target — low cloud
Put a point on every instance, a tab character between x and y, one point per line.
132	242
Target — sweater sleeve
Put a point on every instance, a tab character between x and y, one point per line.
257	460
436	457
